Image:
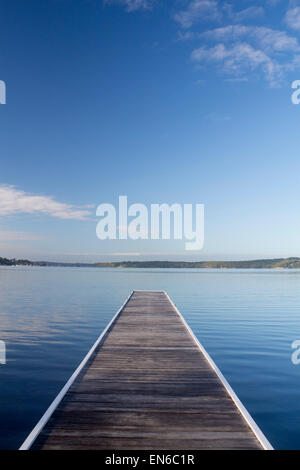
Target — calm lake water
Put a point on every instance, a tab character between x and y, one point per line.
246	319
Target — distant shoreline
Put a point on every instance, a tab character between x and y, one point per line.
277	263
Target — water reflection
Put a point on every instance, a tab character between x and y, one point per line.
247	320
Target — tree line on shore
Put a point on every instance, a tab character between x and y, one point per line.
283	263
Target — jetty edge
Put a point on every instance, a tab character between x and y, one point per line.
147	383
49	412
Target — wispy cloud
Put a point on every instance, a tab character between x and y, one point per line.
203	10
238	59
292	18
14	201
242	49
248	14
132	5
273	3
197	10
239	48
266	38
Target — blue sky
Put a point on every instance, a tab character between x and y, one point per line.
174	101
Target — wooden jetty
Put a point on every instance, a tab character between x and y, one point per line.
147	383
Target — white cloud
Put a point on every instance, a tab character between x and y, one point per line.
273	3
240	48
239	59
243	49
248	13
133	5
196	11
274	40
292	18
266	38
219	9
14	201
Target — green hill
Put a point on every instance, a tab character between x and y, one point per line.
287	263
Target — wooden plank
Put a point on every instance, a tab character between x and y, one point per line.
148	385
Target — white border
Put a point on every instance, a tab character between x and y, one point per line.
47	415
250	421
